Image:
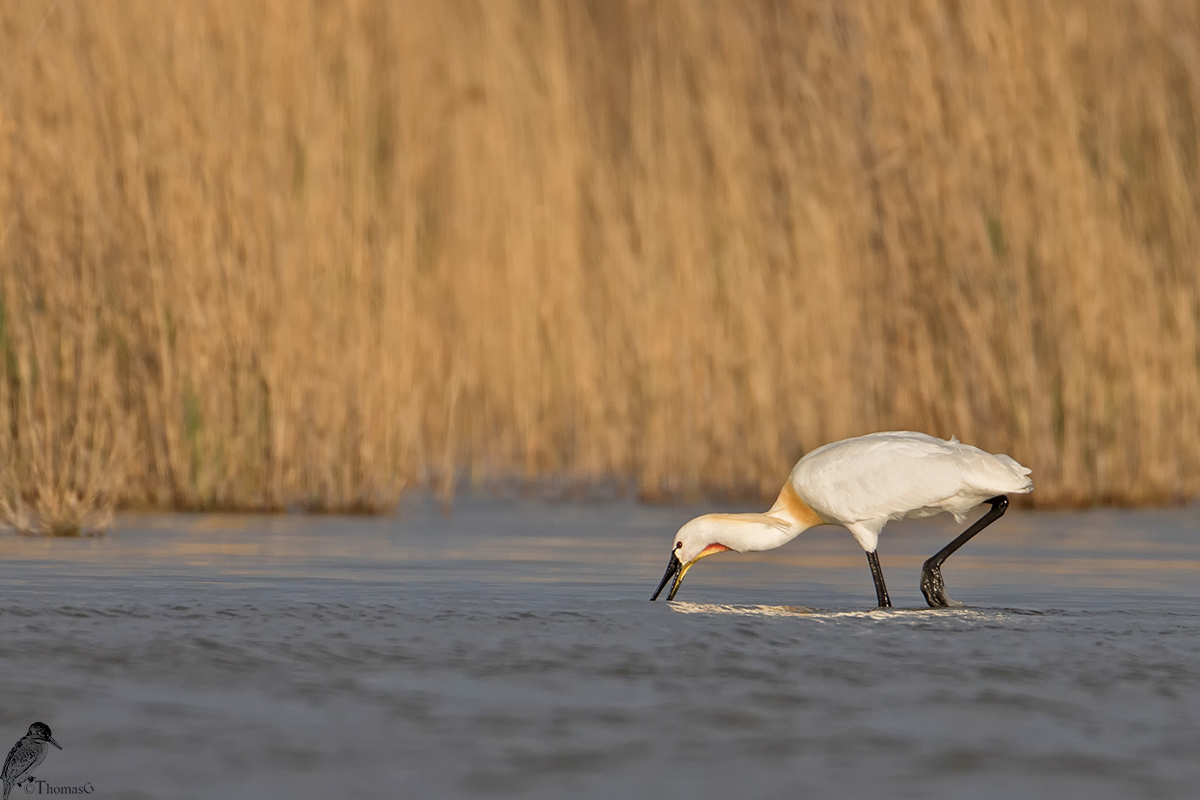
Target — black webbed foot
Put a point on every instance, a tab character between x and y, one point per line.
934	588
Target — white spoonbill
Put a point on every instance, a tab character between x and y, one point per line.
861	484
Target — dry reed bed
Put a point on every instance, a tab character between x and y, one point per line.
273	253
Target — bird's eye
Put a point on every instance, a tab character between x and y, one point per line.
678	545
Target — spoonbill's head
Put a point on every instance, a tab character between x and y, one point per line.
696	540
40	730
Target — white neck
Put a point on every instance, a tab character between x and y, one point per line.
750	533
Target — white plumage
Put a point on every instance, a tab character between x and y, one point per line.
861	484
864	482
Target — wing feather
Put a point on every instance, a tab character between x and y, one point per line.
20	759
890	475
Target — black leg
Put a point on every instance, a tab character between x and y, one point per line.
932	585
880	587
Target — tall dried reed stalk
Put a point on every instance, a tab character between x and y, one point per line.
294	253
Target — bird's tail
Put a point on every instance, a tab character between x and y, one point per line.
7	789
1019	473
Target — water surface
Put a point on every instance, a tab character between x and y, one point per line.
510	651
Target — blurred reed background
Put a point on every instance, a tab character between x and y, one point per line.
298	253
